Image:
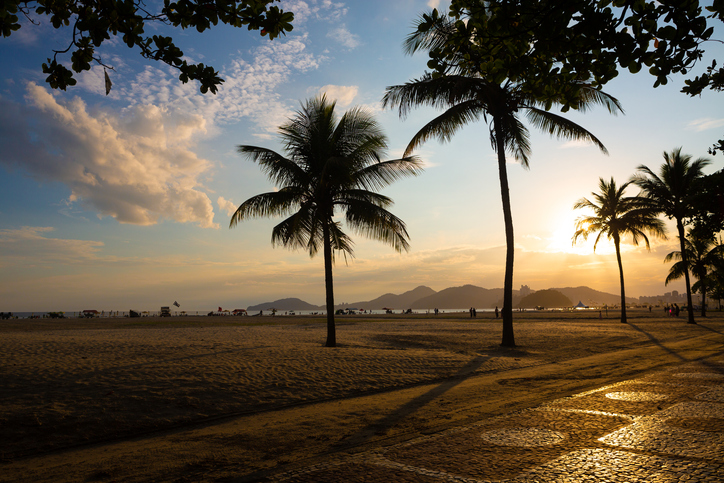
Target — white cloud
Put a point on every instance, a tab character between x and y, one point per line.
324	10
226	205
344	95
344	37
576	143
138	168
705	124
30	245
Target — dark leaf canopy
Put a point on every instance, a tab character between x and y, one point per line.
616	216
330	165
465	94
672	189
91	23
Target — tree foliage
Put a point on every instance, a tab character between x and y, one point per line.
332	165
466	95
671	193
703	259
91	23
616	216
554	46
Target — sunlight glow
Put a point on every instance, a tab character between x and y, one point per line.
561	238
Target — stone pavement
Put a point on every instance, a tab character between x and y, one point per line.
664	427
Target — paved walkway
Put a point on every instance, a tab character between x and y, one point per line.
665	427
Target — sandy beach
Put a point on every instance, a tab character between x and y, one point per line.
237	399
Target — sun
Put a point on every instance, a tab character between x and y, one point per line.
560	237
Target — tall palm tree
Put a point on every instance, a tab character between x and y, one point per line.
465	96
703	256
331	165
616	216
670	192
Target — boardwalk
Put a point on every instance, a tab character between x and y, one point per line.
665	427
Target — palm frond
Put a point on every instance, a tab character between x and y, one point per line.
561	127
382	174
375	222
273	203
444	126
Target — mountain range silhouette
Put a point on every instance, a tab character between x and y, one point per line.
423	297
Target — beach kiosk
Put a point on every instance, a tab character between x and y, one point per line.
165	311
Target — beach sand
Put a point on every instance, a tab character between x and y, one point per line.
238	398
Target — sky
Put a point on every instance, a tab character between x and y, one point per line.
123	201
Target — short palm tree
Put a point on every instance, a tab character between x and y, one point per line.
704	257
616	216
331	165
465	96
670	192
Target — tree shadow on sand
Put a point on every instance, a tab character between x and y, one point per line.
381	426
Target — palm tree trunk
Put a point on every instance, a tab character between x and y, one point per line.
685	260
508	336
703	300
616	243
329	286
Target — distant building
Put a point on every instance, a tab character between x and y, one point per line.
524	291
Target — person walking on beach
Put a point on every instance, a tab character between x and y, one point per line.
496	312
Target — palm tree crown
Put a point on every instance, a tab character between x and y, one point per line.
704	256
670	192
465	97
331	165
616	216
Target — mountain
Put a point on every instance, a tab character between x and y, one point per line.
392	301
593	297
460	298
451	298
545	298
283	305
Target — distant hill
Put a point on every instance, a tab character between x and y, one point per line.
546	299
392	301
460	298
283	305
593	297
463	297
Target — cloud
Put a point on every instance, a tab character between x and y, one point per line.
226	205
344	95
322	10
344	37
30	245
138	168
705	124
576	143
138	164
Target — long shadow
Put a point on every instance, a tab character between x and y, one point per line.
380	426
676	354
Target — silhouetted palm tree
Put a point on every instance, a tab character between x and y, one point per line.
466	97
617	216
670	192
704	256
331	165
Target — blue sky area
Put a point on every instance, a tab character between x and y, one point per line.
123	201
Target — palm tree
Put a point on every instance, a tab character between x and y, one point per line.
331	165
616	216
703	255
465	97
670	193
